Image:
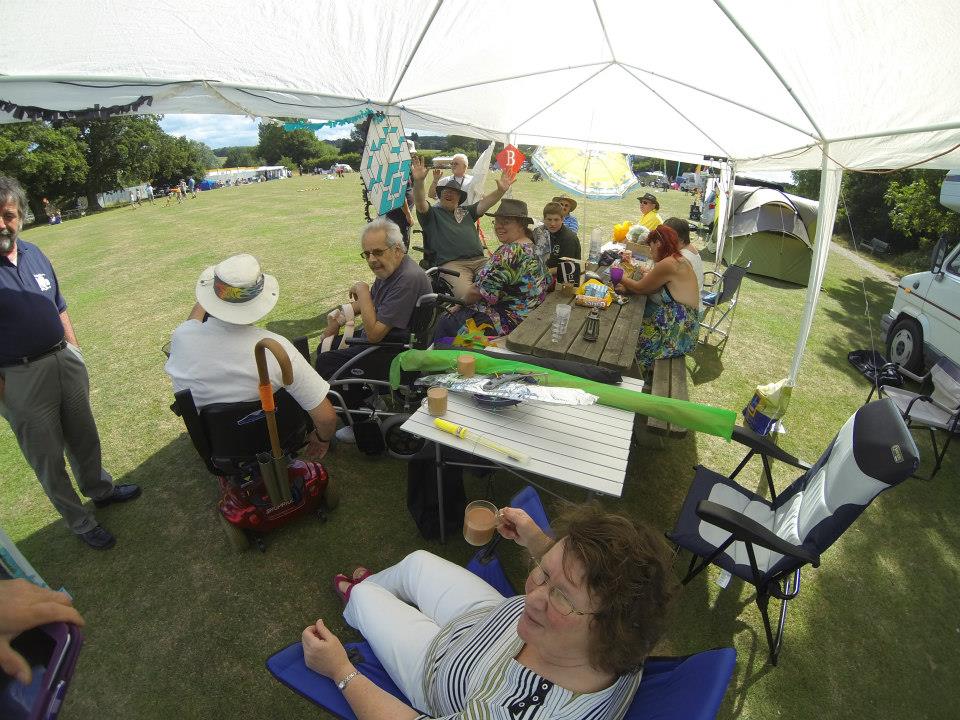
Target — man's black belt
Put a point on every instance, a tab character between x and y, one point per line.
29	359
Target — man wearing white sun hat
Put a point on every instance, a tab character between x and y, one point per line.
214	358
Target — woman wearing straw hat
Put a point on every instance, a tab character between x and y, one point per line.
512	283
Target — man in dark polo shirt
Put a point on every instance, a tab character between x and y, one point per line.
450	236
44	387
386	307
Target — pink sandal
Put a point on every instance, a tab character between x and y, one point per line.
364	574
344	595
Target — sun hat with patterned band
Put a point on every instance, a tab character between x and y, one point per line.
237	291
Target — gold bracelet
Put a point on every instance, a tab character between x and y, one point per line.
346	681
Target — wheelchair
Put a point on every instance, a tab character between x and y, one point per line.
360	389
232	441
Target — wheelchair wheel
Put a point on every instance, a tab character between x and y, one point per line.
235	536
400	444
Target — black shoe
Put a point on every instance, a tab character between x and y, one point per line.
121	493
99	538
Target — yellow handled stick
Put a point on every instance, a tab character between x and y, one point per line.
461	432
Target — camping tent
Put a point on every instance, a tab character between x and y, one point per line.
846	87
774	231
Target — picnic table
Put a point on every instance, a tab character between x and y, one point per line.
615	347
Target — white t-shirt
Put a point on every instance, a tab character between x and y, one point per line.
696	262
215	361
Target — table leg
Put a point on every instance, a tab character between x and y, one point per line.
439	463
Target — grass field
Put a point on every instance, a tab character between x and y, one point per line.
179	625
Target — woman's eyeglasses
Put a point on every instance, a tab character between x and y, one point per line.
378	253
560	602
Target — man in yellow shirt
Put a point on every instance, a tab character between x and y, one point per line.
648	211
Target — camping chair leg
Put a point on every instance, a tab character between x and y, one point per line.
693	572
763	601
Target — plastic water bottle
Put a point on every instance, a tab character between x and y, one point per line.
596	240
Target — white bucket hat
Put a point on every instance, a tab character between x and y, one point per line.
237	291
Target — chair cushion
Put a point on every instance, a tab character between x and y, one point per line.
709	299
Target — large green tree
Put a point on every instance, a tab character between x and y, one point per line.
120	151
241	157
49	162
275	143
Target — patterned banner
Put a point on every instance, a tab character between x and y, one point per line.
385	167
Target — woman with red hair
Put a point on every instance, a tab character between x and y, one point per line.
671	321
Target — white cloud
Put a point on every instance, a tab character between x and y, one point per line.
223	130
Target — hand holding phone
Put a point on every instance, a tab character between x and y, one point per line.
23	606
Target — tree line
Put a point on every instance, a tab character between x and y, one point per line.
900	208
72	159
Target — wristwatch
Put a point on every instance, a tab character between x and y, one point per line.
346	681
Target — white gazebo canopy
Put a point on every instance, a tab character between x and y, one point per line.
742	84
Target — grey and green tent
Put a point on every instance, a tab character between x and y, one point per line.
774	231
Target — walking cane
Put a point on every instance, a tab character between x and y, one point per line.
274	467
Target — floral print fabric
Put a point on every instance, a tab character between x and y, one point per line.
670	329
512	283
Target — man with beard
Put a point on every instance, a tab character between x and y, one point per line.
44	387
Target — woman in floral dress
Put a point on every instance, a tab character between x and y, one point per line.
671	321
512	283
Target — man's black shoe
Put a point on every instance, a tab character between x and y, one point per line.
121	493
99	538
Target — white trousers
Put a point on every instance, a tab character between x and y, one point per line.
401	609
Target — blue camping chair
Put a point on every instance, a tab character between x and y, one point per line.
672	688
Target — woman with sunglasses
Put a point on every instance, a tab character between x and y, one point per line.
596	602
671	318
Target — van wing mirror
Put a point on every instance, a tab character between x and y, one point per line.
938	255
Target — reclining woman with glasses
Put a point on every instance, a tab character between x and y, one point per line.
596	602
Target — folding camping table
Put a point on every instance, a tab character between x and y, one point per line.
586	446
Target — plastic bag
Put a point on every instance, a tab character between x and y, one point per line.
769	404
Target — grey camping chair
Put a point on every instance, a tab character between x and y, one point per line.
721	296
938	412
767	542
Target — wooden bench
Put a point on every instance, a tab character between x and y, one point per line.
669	380
876	246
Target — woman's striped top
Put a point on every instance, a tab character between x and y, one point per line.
471	674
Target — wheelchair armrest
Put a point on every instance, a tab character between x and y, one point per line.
363	342
765	447
747	530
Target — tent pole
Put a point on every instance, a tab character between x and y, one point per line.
830	176
728	173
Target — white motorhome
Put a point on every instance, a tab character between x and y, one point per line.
924	322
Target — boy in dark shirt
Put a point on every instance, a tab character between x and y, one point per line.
563	241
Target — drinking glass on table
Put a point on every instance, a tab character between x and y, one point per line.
560	321
480	520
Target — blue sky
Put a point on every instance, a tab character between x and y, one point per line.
223	130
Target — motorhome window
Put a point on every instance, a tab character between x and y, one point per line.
953	267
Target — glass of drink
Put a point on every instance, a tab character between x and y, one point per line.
480	520
560	321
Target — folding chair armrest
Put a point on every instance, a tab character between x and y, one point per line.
747	530
906	373
765	447
926	398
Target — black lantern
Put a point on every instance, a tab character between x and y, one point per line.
591	328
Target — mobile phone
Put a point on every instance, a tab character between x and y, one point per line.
51	650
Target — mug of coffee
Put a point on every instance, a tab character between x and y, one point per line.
480	520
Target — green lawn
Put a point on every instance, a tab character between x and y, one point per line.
178	625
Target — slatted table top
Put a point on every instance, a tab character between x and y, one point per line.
615	348
582	445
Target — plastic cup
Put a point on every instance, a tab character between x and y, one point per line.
480	520
437	401
560	321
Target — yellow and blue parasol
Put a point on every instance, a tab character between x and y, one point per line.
595	174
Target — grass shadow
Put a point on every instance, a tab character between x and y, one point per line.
298	327
707	362
855	310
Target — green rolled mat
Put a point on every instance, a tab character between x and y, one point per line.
691	415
